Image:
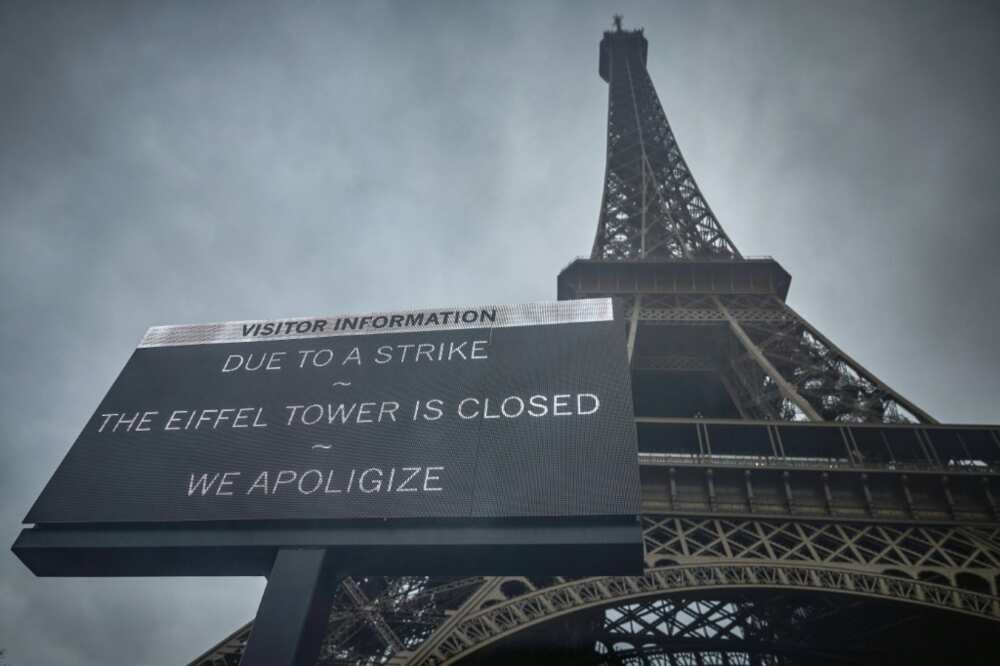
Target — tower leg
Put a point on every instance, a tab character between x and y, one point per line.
292	618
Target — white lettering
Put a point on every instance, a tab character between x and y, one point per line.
428	477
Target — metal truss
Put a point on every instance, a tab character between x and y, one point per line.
781	368
493	623
745	629
917	551
652	206
371	619
953	568
943	567
823	383
422	622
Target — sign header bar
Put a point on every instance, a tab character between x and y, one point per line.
486	316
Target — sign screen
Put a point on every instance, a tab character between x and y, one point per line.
474	412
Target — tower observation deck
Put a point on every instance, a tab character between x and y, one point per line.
796	509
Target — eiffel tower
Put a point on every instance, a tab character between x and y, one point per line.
796	509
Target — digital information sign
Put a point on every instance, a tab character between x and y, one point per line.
467	420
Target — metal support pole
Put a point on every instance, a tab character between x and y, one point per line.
633	325
293	614
643	164
786	389
860	369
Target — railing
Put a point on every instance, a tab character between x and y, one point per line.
637	260
775	462
972	449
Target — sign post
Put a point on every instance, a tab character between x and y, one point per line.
293	614
483	441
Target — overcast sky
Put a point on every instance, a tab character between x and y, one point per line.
192	162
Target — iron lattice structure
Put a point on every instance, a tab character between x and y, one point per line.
797	510
652	207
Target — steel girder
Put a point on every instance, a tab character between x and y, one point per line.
494	623
430	622
748	629
371	619
744	630
940	567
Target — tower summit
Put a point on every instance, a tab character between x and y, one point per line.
652	207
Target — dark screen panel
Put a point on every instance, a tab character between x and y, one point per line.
506	421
